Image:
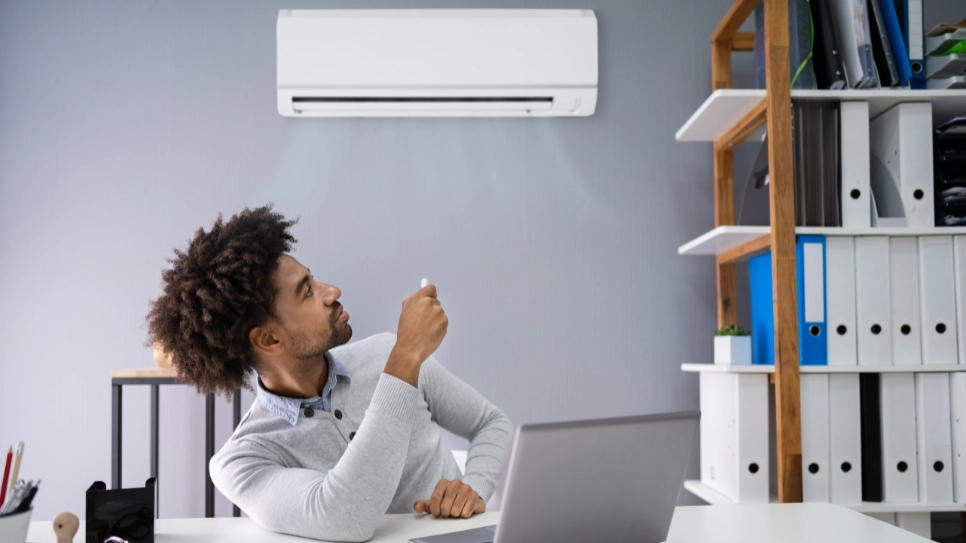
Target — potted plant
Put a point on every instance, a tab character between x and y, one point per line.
732	345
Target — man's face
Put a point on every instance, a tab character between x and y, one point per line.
313	320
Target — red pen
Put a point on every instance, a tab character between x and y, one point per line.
6	473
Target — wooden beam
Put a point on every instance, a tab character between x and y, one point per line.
720	65
727	281
753	120
741	253
724	214
743	41
733	20
782	206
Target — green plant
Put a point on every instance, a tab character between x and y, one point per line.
731	330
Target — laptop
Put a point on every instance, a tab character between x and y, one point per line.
614	480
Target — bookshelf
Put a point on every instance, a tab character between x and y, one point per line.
727	118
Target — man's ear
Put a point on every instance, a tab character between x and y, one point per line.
264	339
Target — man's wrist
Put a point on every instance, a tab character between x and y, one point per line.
404	366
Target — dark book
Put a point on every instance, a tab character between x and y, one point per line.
871	430
829	67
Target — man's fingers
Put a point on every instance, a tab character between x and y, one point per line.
437	496
421	506
480	506
452	491
470	506
460	502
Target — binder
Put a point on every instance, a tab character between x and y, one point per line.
734	435
959	280
897	407
840	289
872	301
812	343
937	294
871	429
829	68
810	261
881	46
933	439
845	437
901	167
957	401
919	523
852	32
904	279
899	52
915	35
815	437
856	189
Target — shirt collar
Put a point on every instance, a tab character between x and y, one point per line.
290	408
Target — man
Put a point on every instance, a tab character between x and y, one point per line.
340	434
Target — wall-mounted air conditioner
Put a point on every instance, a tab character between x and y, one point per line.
422	63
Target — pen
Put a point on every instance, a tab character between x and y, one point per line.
6	473
16	467
423	283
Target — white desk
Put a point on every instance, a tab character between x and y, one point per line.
789	523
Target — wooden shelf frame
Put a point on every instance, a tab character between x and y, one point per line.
781	239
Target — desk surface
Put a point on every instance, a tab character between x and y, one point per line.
788	523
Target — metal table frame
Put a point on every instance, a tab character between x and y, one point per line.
155	383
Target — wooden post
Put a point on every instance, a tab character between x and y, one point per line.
782	205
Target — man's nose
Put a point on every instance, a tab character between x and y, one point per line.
334	293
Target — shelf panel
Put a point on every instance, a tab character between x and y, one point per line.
725	107
714	497
725	238
761	368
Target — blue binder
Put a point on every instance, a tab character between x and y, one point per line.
812	313
900	53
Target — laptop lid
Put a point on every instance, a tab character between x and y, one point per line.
614	480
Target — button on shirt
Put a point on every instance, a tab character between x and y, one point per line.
289	408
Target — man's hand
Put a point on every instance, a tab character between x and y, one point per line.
422	327
452	499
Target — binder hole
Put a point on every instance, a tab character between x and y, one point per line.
855	194
841	329
941	328
916	67
753	468
846	467
905	329
902	467
814	330
813	468
876	329
918	194
938	466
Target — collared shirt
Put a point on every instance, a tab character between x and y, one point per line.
290	408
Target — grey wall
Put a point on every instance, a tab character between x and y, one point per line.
125	126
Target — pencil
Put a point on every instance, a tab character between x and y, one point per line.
6	473
16	467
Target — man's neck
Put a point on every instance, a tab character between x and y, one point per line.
298	379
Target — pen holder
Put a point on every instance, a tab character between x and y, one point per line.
13	528
127	513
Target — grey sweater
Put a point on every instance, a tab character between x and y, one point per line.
313	480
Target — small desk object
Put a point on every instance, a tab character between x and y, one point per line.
766	523
155	377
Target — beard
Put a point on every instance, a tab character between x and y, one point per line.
309	346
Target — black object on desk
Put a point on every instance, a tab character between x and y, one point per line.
154	379
125	513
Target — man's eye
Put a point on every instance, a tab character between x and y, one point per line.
308	292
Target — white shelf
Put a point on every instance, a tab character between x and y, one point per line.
714	497
725	107
725	238
762	368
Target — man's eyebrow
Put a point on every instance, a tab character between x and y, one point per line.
304	281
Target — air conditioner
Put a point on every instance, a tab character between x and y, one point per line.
429	63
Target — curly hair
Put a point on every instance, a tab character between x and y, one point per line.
215	293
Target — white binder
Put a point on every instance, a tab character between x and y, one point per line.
904	278
873	318
919	523
840	296
937	294
897	406
933	438
734	435
815	437
845	437
854	158
957	401
959	270
901	169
